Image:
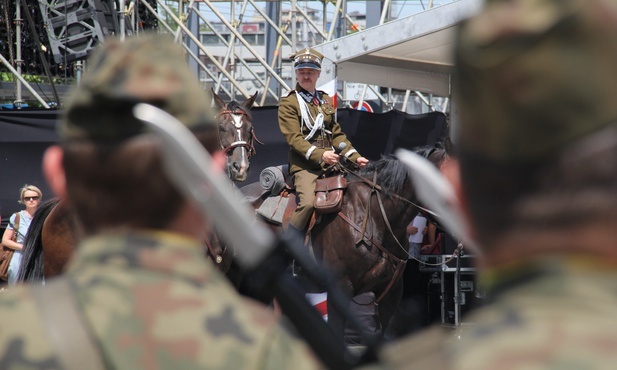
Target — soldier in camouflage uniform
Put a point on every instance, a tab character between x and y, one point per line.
138	293
537	90
306	119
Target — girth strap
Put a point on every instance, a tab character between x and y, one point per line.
399	263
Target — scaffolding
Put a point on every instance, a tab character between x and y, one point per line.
239	47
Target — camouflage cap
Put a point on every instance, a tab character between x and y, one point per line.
149	68
534	75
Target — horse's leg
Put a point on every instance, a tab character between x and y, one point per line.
336	320
388	307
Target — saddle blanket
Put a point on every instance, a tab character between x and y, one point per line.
273	209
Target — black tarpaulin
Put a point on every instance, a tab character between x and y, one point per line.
24	136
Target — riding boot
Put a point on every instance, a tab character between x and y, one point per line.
296	236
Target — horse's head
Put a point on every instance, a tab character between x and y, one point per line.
236	135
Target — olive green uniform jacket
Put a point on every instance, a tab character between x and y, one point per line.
303	154
151	301
552	313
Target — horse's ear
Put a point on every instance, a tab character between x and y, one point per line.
248	103
217	100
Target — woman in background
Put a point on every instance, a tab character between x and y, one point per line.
30	196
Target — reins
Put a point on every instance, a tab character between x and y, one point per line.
399	263
373	185
377	187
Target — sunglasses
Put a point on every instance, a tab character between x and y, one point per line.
27	199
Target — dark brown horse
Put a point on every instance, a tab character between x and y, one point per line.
237	138
236	135
54	224
365	245
53	233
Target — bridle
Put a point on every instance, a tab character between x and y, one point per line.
237	117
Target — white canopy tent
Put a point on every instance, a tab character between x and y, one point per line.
411	53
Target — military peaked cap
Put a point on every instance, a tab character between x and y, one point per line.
307	58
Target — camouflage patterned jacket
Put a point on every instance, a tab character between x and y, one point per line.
152	302
306	154
555	313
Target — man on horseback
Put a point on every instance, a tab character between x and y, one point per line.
307	120
138	293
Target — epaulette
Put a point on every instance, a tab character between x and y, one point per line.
288	93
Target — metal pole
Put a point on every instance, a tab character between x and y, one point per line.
324	20
444	106
78	70
132	11
405	100
279	62
425	101
39	48
362	94
18	21
384	11
122	25
24	82
294	37
232	45
337	9
457	290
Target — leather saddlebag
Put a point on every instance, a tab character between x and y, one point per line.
329	194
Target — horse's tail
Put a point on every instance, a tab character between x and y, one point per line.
31	267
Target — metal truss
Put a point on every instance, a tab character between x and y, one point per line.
236	62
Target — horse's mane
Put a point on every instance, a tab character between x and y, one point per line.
438	153
31	267
392	174
234	105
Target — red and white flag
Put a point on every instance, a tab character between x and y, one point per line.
320	302
330	89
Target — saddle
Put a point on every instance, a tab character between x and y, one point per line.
276	191
273	197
